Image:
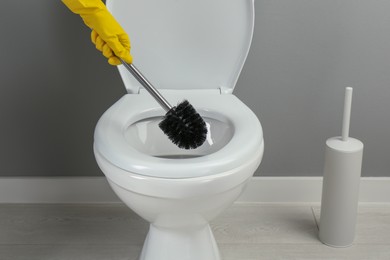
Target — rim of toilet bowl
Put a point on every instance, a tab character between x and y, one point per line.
132	108
183	188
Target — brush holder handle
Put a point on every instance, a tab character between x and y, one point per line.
147	85
340	191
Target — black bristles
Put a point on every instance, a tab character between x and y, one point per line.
184	126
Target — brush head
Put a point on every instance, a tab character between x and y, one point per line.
184	126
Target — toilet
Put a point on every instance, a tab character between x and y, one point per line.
192	50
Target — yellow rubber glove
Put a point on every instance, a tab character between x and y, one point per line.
107	34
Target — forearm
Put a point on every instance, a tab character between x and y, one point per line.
84	6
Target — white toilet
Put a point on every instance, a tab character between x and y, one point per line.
193	50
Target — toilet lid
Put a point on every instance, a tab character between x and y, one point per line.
186	44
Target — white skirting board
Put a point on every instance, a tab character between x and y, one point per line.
373	190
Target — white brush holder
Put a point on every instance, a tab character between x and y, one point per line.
340	190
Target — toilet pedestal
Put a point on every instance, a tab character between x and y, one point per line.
183	244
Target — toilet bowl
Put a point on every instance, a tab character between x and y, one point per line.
179	191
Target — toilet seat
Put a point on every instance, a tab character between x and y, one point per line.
186	53
246	141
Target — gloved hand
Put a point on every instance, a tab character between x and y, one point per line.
107	34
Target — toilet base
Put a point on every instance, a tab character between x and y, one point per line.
172	244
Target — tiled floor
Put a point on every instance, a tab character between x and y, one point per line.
243	232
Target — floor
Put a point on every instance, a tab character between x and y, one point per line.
243	232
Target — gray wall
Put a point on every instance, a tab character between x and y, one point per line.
54	85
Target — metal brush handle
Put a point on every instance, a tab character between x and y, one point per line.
147	85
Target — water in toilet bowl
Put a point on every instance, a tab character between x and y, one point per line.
145	136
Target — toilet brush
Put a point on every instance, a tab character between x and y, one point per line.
181	123
340	189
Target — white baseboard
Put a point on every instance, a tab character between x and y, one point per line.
56	190
373	190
